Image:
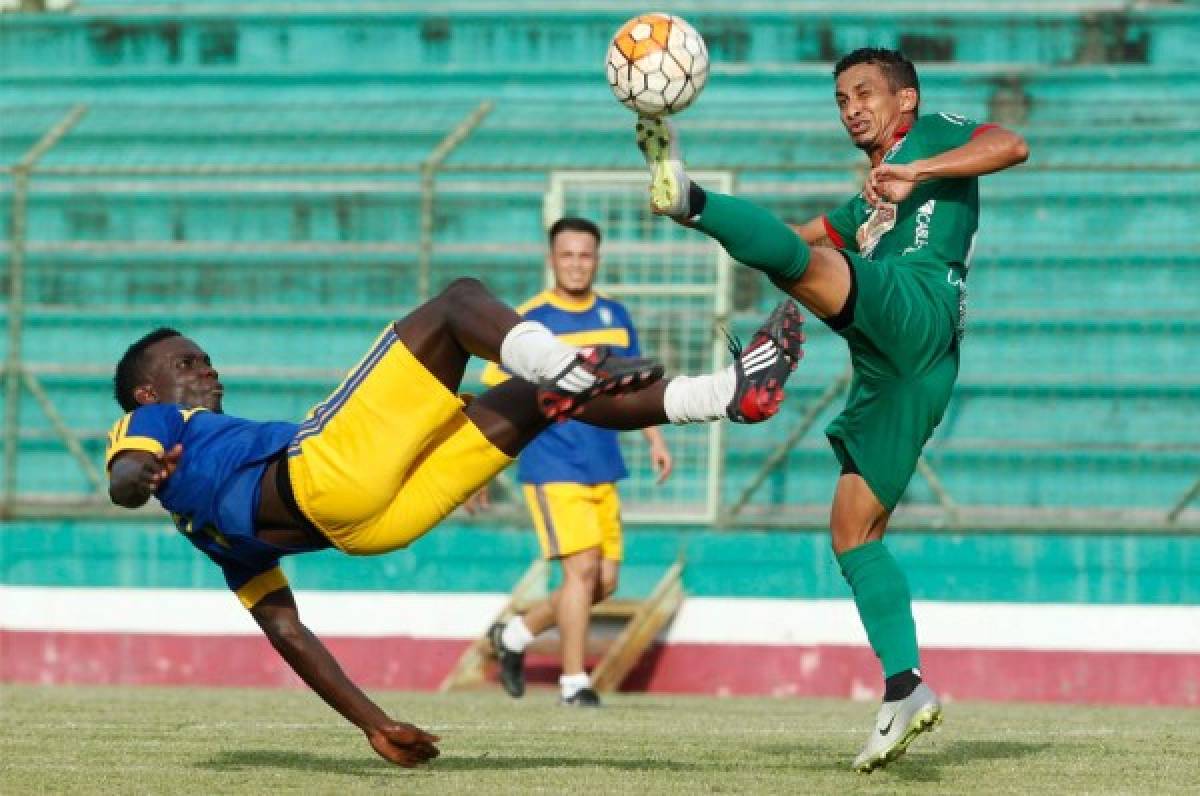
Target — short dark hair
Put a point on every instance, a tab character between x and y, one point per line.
898	70
574	224
131	368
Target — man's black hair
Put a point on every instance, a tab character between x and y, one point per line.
131	368
898	70
574	224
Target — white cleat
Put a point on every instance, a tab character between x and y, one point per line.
669	183
896	725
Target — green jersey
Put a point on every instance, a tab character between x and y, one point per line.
936	223
910	261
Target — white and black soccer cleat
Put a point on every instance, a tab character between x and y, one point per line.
762	367
896	725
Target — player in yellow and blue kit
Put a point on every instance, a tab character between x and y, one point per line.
390	453
570	472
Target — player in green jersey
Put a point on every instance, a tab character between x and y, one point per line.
886	271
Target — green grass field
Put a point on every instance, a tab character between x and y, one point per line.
176	740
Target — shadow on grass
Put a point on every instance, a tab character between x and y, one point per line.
296	761
923	766
495	763
966	751
928	767
364	766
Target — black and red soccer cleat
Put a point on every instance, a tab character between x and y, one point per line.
595	371
763	367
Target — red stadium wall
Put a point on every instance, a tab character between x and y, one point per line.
715	669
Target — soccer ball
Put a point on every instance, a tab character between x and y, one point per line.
657	64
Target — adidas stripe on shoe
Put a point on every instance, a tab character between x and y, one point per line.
594	372
762	368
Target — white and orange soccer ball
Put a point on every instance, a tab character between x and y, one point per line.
657	64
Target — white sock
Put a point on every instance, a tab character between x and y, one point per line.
532	352
572	684
516	635
699	399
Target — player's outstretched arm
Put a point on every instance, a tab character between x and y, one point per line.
401	743
134	476
995	149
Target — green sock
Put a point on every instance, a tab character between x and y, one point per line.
753	236
884	604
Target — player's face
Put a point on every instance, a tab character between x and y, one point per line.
870	110
574	258
181	373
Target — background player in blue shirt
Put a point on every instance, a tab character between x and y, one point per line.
385	457
570	472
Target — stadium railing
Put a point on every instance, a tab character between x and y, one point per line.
1077	407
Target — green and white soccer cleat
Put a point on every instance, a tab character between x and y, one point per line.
896	725
669	183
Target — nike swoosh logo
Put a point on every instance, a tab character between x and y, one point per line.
887	729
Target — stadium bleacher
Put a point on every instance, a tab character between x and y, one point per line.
252	174
527	36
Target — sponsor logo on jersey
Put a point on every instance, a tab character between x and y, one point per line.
921	228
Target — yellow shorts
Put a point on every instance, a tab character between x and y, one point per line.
569	518
388	455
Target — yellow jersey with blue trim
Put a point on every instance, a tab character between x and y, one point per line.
213	494
575	452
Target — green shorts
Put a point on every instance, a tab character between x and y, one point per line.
903	345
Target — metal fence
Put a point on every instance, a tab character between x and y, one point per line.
283	243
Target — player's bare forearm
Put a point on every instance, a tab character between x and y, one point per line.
126	492
128	485
135	475
660	455
395	741
654	437
991	151
314	663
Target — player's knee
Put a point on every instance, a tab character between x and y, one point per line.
446	307
606	587
590	574
461	287
583	567
844	536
